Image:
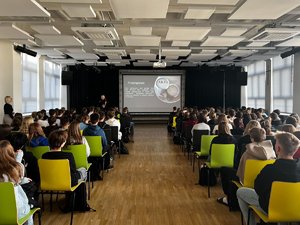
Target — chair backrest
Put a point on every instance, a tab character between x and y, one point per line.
205	144
8	207
79	154
252	169
174	121
95	143
222	155
284	202
114	133
38	151
186	131
197	138
107	131
55	174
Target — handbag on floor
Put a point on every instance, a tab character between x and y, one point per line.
203	176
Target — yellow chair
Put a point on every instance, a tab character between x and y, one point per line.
284	203
95	143
204	148
79	154
38	151
55	176
8	207
252	169
222	155
174	122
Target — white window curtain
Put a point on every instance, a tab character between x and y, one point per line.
52	85
29	83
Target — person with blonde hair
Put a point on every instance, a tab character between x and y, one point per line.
27	120
8	110
75	137
13	171
37	136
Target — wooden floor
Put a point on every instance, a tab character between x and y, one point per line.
153	185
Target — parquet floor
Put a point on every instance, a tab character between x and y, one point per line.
153	185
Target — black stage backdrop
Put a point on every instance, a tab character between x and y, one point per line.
203	86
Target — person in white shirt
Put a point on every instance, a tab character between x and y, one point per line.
112	121
201	125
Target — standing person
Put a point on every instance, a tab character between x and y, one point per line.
103	103
8	110
284	169
13	171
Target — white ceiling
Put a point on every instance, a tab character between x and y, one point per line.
123	32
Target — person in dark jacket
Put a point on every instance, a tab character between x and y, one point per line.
284	169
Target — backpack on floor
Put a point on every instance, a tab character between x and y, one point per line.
203	176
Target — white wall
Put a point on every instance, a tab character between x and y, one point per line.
10	74
296	89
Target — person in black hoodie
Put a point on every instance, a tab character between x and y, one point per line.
284	169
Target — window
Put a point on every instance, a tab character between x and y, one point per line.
52	85
283	83
256	85
29	84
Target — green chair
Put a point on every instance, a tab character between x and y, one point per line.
8	207
38	151
95	143
222	155
79	154
204	149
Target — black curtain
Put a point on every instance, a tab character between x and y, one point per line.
204	86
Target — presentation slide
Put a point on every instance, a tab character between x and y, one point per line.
151	93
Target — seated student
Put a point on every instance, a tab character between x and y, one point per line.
284	169
238	126
221	118
84	121
260	149
75	137
52	126
57	140
127	126
40	119
13	171
25	125
94	130
201	125
112	121
64	123
37	136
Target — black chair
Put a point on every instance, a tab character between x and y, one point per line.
197	138
115	138
187	139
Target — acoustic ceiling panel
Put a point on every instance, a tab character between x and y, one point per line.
258	43
74	1
175	52
46	51
27	42
141	30
234	32
181	43
264	10
10	31
187	33
22	8
222	41
201	57
45	29
143	56
136	40
95	33
294	42
199	13
208	2
79	10
140	8
59	40
83	56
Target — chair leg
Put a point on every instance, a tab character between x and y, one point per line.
208	182
248	220
51	201
39	216
193	162
42	200
72	205
242	218
89	185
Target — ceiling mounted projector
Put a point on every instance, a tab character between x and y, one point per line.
159	64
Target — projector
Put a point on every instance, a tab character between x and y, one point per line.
159	65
